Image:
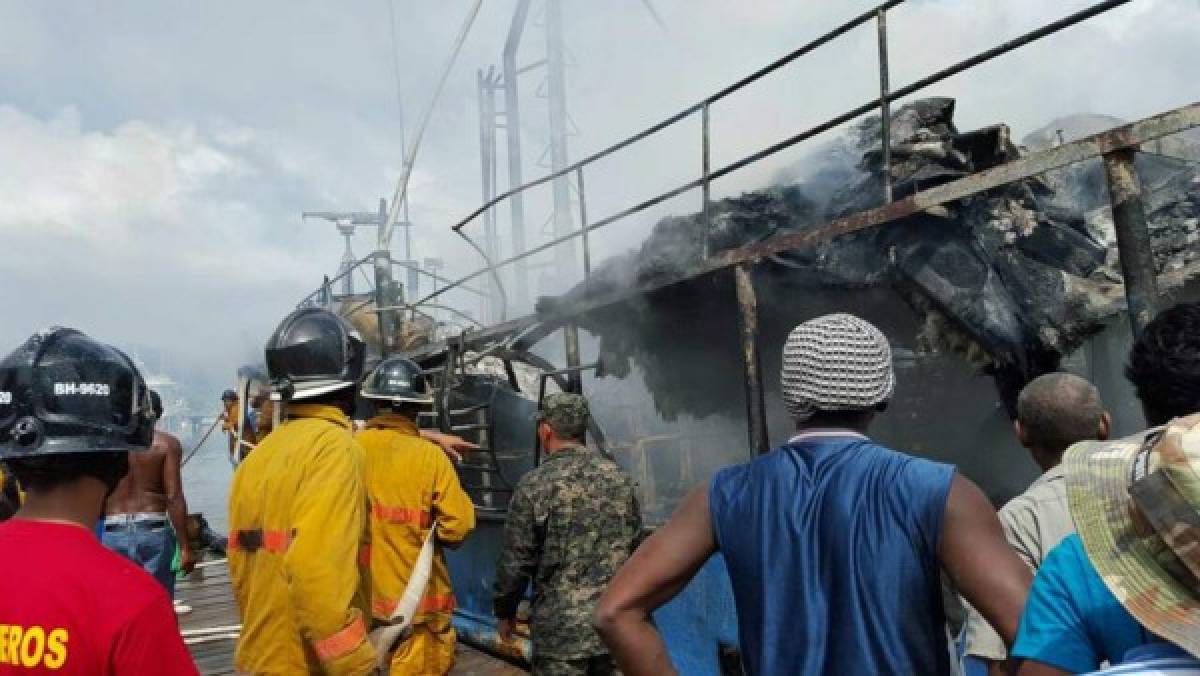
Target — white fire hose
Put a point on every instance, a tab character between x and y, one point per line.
385	639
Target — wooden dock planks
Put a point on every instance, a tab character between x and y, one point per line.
208	592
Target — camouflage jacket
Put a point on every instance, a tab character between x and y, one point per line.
571	524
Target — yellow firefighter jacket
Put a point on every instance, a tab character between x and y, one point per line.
297	518
410	485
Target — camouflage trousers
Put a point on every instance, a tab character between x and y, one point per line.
600	665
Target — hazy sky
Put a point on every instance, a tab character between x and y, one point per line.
157	155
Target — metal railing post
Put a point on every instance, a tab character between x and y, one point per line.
705	169
583	226
756	414
383	283
885	108
1133	237
571	340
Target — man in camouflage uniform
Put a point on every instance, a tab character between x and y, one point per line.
572	522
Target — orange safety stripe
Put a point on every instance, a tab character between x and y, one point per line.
390	514
342	642
274	541
434	603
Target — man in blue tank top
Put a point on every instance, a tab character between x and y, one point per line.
833	543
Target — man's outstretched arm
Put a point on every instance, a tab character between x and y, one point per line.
656	572
980	561
453	446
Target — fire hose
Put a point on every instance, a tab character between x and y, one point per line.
200	443
385	639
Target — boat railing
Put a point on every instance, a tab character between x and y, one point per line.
708	174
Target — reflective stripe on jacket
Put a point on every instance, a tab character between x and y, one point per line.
297	517
410	485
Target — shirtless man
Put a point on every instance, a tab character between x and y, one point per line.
137	513
229	417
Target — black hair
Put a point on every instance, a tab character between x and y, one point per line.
1164	364
345	398
10	499
156	405
45	472
408	409
1057	410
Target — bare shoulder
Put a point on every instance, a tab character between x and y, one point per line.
165	442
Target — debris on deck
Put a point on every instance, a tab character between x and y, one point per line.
1013	279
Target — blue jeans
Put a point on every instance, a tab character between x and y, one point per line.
145	539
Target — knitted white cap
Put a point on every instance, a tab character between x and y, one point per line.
836	363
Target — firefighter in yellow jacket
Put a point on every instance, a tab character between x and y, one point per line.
297	512
411	486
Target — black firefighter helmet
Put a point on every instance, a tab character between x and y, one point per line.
314	352
62	392
399	380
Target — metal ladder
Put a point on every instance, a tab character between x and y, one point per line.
475	423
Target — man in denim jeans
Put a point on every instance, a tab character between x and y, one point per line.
147	509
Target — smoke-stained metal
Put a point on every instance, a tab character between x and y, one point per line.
533	328
885	112
705	168
512	128
944	74
500	299
1133	237
556	98
756	409
583	221
486	88
571	343
383	287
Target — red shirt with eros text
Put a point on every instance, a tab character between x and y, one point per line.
69	606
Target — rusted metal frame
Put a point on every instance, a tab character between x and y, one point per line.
1094	146
1133	237
1127	136
587	250
943	74
885	112
706	185
571	344
654	129
756	415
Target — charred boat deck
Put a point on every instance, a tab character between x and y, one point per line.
210	630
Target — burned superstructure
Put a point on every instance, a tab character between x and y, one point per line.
1012	278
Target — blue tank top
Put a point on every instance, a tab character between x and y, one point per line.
831	544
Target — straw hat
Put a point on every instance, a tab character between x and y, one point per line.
1136	505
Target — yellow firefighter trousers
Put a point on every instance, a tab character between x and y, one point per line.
429	651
